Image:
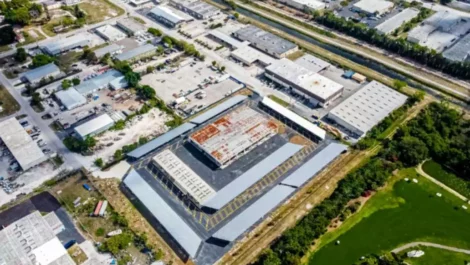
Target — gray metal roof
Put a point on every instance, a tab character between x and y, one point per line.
169	219
255	212
167	13
460	51
218	109
65	44
251	176
314	165
70	98
98	82
136	52
41	72
389	25
108	49
264	40
160	140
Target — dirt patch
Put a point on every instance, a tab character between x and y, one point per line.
8	104
77	254
298	139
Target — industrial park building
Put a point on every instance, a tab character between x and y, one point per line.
315	87
440	31
460	51
94	126
373	7
131	26
70	98
110	33
304	5
140	52
312	63
102	81
233	135
111	49
66	44
196	8
266	41
42	72
32	240
367	107
25	151
168	16
397	21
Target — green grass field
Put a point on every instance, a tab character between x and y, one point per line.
436	171
435	256
399	214
279	101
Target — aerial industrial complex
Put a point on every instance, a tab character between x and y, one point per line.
228	167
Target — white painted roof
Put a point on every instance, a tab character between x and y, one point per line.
294	118
93	125
49	252
372	6
70	98
389	25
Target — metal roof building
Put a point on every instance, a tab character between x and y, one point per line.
293	117
196	8
304	4
251	176
226	39
266	41
249	56
233	101
99	82
21	145
372	7
131	26
391	24
319	89
312	63
460	52
166	216
31	241
136	53
188	181
110	33
35	75
62	45
314	165
367	107
160	141
233	135
111	49
94	126
167	16
70	98
254	213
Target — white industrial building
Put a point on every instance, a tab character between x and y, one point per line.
266	41
196	8
66	44
187	181
94	126
315	87
168	16
32	241
440	31
70	98
140	52
459	52
131	26
25	151
304	5
112	49
110	33
393	23
312	63
47	71
367	107
248	56
226	39
373	7
101	82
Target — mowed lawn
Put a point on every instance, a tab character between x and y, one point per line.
436	171
403	213
435	256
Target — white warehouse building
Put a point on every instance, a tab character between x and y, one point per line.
94	126
302	81
304	5
373	7
367	107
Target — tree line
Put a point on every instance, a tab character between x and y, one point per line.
399	46
438	131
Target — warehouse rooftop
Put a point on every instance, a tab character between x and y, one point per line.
312	63
460	51
41	72
135	52
389	25
263	39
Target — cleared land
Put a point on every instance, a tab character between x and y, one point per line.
402	212
8	103
436	171
435	256
99	10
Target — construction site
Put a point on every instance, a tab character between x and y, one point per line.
206	184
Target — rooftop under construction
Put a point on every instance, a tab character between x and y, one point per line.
233	135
